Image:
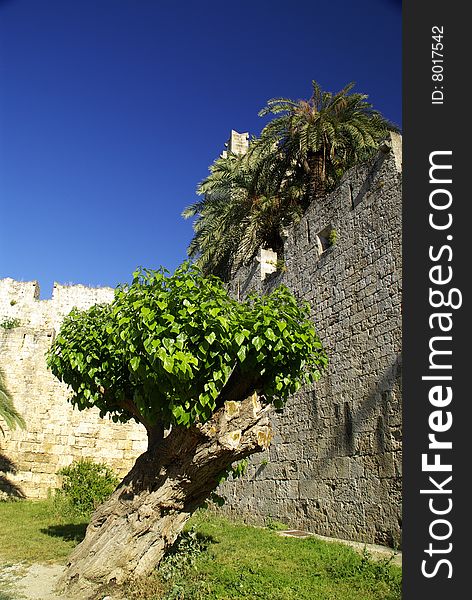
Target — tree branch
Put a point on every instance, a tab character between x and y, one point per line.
238	387
155	435
155	432
132	409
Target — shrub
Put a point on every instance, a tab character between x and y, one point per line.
87	484
333	237
10	323
185	551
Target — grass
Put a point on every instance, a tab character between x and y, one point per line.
38	531
217	560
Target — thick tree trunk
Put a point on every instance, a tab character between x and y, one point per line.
316	170
129	534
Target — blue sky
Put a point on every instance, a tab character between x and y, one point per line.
112	110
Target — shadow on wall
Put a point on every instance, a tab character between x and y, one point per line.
244	287
7	487
368	184
366	431
350	422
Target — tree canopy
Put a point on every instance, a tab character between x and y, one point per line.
246	201
171	349
322	137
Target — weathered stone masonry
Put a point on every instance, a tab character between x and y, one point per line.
334	466
56	434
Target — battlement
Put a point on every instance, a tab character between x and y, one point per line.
21	300
238	143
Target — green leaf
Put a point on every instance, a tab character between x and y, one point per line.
211	337
134	362
260	357
168	364
258	342
242	353
168	344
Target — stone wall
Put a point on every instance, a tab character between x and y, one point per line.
56	434
334	466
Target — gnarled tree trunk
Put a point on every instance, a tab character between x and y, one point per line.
129	533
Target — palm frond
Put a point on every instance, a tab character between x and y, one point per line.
8	413
301	153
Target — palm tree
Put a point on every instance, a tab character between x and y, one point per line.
248	199
324	136
7	411
245	203
219	214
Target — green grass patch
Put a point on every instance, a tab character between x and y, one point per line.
43	531
238	562
216	559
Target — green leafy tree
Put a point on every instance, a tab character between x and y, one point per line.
8	413
177	353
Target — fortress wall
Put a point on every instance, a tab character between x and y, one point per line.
334	466
56	434
20	300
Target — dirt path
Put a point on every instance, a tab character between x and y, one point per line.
34	582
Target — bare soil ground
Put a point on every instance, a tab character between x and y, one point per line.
34	582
